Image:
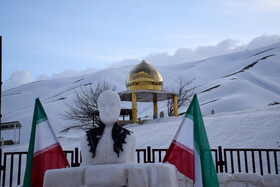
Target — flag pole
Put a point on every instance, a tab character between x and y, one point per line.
0	104
0	90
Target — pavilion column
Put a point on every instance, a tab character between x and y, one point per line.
175	105
155	107
134	108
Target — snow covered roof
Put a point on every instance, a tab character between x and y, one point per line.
10	125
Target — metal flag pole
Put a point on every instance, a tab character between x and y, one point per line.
0	89
1	167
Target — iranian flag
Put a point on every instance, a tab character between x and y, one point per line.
44	150
190	151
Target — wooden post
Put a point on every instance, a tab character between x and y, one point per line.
221	163
175	105
149	154
77	157
15	134
134	108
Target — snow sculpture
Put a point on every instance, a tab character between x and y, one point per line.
108	154
108	143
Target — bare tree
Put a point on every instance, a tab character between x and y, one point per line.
184	94
84	108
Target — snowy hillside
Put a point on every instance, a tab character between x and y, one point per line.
253	128
228	83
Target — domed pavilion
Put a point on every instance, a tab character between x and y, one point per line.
144	84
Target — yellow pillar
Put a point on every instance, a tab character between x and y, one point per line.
134	108
155	106
175	105
155	109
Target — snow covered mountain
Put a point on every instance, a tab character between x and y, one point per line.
226	83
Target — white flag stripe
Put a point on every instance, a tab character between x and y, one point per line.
44	136
184	134
197	171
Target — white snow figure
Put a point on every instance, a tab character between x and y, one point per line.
108	143
108	157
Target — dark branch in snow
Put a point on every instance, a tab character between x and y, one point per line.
84	108
184	94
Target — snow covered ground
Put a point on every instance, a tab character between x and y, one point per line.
253	128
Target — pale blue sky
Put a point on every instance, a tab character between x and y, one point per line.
51	36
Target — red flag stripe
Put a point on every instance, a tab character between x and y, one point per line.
50	159
46	149
183	146
182	158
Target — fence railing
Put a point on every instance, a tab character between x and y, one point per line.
226	161
261	160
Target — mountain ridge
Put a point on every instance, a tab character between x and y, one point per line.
225	83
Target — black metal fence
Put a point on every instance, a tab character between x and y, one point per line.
12	162
262	161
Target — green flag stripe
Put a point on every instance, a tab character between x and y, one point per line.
189	113
39	116
41	120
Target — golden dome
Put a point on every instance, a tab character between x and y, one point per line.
144	77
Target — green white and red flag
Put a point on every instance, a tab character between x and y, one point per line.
190	151
44	152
